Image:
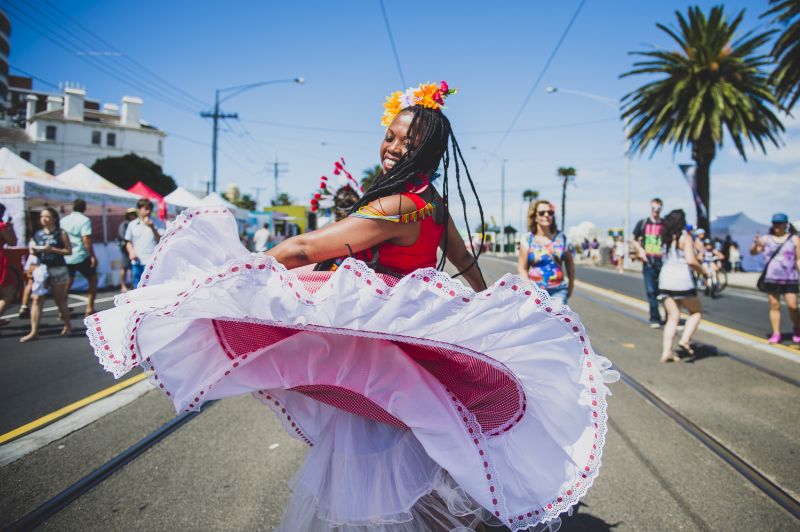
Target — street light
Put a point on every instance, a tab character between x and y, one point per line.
216	115
610	102
502	199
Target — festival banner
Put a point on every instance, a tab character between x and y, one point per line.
688	171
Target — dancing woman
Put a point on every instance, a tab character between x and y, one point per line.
426	404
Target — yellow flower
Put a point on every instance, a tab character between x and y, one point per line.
392	107
425	93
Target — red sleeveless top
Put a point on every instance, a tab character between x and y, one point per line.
420	254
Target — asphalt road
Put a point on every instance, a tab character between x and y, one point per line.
224	471
39	377
740	309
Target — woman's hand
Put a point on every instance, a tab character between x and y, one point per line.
570	264
522	262
461	258
757	246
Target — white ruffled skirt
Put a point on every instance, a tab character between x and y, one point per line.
425	405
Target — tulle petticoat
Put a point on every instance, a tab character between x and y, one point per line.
425	405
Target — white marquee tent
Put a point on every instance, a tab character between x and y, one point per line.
215	199
182	198
82	177
25	188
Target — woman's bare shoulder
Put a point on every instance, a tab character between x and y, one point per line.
394	204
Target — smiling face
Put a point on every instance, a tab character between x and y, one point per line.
46	219
544	216
396	142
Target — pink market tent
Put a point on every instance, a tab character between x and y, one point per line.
142	190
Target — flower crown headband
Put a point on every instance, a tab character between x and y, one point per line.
428	95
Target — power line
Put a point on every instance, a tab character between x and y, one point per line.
81	36
394	48
542	128
40	80
84	29
463	132
62	42
541	75
311	128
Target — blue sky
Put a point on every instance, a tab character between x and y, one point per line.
493	52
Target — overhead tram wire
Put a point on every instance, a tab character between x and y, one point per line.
309	128
99	66
394	48
59	40
83	30
196	101
234	141
536	82
40	80
463	132
70	37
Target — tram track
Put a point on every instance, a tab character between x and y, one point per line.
751	473
747	470
741	466
741	360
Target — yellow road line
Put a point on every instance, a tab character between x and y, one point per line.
61	412
725	328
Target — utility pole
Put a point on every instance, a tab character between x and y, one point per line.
216	115
278	168
258	193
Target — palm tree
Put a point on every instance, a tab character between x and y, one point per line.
282	199
786	51
710	84
530	196
369	175
567	175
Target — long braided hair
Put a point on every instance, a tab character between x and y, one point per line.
433	142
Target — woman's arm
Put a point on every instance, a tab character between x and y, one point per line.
689	254
461	258
797	250
8	235
345	236
66	250
570	264
522	261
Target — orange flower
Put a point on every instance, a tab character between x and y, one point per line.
392	107
427	94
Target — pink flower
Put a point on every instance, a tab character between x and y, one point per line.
437	97
444	87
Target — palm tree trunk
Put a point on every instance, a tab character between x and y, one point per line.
703	153
564	203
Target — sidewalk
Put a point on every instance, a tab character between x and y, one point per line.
744	280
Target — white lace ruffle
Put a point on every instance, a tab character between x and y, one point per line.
201	273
